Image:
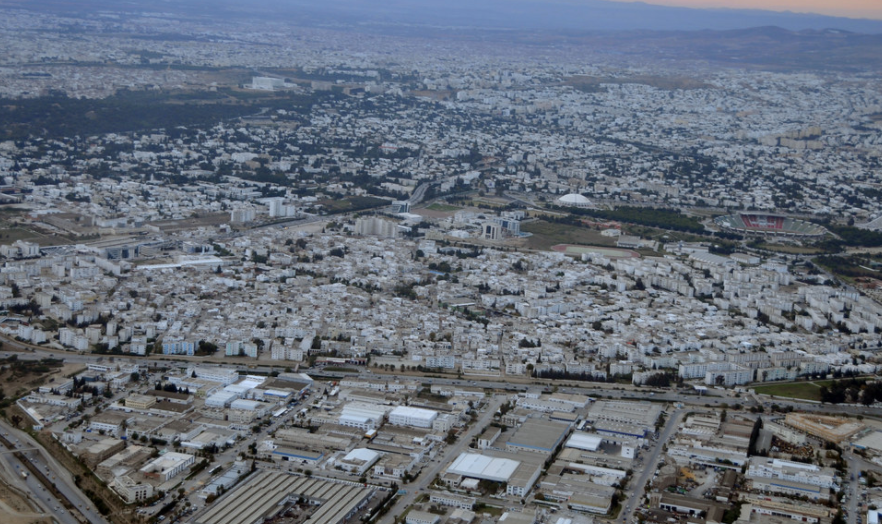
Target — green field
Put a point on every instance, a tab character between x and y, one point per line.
801	390
547	234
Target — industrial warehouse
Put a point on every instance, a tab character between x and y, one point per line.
269	493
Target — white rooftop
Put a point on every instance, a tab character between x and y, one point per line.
361	455
483	467
586	441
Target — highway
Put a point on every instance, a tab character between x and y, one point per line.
417	196
11	468
712	396
54	471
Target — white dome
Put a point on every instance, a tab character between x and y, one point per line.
574	199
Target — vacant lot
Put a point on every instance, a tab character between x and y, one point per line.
801	390
355	203
443	207
9	235
15	508
18	377
11	230
547	234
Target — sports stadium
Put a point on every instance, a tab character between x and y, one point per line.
769	225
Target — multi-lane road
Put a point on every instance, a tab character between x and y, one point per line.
53	471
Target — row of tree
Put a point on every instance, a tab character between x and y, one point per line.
852	391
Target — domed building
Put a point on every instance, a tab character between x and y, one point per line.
573	200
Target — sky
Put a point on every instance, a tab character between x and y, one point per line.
849	8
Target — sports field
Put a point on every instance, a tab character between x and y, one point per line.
610	252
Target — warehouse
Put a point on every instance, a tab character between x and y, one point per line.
586	441
521	481
643	414
414	417
221	399
288	454
249	405
476	466
358	460
267	493
537	436
362	416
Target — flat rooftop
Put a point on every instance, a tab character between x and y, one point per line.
262	496
539	434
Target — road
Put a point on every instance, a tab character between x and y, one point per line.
55	472
713	396
638	488
414	489
417	196
11	468
851	488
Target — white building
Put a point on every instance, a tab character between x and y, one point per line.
358	461
168	466
375	226
222	375
415	417
130	491
768	468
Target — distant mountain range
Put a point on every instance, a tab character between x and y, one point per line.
566	15
749	38
570	15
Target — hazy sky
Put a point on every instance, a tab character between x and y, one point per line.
850	8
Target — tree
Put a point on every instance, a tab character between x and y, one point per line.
206	348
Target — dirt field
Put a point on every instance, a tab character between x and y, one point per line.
15	508
19	381
12	230
546	235
439	211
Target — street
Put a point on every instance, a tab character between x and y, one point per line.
638	488
414	489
